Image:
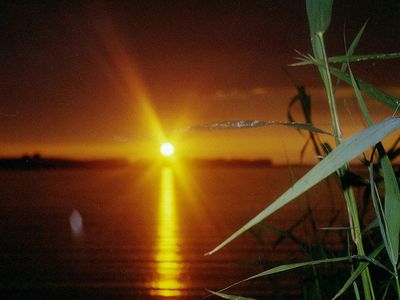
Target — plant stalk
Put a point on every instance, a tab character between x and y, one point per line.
326	76
349	192
396	278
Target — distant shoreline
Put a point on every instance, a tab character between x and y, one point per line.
36	162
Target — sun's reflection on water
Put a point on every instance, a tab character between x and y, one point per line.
168	259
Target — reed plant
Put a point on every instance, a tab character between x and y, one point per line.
373	255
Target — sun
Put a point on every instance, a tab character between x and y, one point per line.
167	149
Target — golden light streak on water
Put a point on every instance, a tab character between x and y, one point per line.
168	258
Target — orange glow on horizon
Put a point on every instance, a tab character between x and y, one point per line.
123	87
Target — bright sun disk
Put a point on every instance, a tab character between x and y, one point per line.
167	149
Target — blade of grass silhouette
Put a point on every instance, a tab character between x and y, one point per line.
342	154
230	297
288	267
305	102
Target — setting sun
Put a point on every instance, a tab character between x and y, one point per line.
167	149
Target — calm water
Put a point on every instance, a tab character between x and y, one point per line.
138	234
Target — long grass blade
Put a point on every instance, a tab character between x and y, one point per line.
342	154
388	219
385	98
380	215
354	43
353	58
363	57
245	124
360	100
392	207
352	49
230	297
288	267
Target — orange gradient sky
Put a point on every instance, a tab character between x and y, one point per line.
118	78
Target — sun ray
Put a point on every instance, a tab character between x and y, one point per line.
120	64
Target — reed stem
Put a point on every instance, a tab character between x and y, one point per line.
348	192
326	77
396	278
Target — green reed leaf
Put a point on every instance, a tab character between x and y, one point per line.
385	98
392	207
288	267
360	99
339	156
319	14
355	42
380	215
365	57
352	49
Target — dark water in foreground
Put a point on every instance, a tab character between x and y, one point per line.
139	234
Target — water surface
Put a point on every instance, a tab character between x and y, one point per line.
134	233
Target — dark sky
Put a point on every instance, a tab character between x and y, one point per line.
73	72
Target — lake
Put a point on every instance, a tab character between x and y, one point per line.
140	233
